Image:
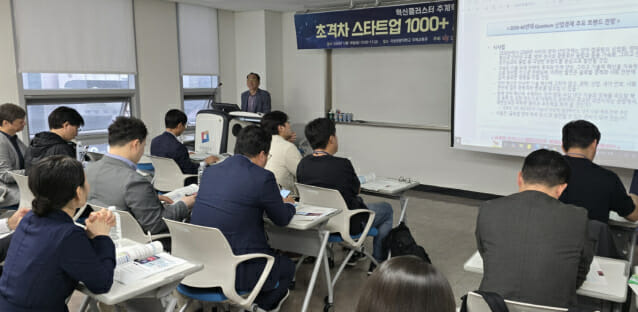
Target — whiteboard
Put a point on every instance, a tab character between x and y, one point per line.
405	85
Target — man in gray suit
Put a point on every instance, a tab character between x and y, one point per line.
255	100
115	182
11	152
535	248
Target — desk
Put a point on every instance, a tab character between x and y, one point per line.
390	188
159	285
615	290
308	238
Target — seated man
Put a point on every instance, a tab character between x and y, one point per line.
255	100
595	188
233	197
11	152
535	249
64	123
284	155
115	182
323	169
167	145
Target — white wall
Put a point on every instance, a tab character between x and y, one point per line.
157	61
227	62
274	61
250	49
8	76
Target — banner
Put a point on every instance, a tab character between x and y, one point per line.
423	23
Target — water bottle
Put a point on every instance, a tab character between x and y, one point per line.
116	231
200	172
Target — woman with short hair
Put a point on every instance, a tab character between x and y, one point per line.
49	254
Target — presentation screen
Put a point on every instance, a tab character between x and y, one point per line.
524	68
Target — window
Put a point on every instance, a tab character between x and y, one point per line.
97	115
192	106
200	82
48	81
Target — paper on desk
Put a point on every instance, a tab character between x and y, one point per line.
177	194
310	213
130	272
384	184
367	178
596	275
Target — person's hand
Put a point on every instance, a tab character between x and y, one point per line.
14	220
293	137
211	160
165	199
289	199
189	200
99	223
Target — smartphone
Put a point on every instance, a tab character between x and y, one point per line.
284	193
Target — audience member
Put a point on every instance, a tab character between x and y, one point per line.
12	152
49	254
64	124
167	145
233	197
406	283
255	100
323	169
285	155
535	248
116	182
595	188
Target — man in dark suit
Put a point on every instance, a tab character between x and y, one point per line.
255	100
167	145
233	197
535	248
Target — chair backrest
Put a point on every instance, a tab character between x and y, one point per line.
330	198
26	197
168	175
208	246
475	303
131	229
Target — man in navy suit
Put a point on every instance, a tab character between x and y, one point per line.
255	100
233	197
167	145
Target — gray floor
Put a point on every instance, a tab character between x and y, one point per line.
444	225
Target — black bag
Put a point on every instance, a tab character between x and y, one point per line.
400	242
494	301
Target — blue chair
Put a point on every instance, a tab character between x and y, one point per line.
216	282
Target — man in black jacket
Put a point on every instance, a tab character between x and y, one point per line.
64	123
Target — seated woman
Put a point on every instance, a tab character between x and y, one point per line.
406	283
49	254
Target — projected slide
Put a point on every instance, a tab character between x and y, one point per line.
524	68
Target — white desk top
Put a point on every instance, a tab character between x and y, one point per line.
388	186
120	292
302	225
615	290
615	219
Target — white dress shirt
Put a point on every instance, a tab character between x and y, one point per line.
283	163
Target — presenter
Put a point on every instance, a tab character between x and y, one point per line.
255	100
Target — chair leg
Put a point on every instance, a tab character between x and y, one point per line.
342	266
186	304
367	254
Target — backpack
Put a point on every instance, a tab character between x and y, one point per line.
400	242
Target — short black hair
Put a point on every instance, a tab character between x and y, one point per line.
174	117
54	181
10	112
318	132
252	140
254	74
63	114
271	121
545	167
579	134
126	129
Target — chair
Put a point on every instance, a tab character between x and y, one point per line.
94	156
339	225
216	282
131	229
168	175
26	197
475	303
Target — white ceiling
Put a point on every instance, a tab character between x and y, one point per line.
275	5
